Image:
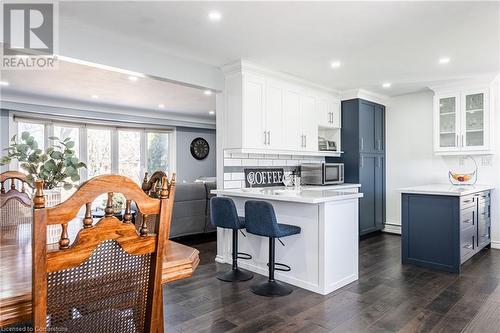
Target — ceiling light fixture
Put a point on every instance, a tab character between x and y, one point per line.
386	85
444	60
95	96
208	92
4	83
161	106
211	112
214	16
335	64
133	78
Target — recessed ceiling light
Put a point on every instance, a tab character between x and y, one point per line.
208	92
95	96
444	60
214	16
161	106
335	64
386	85
133	78
211	112
4	83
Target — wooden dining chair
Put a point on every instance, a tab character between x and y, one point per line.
109	278
152	185
15	200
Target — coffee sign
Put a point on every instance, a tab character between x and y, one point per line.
263	177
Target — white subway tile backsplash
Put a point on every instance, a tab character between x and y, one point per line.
285	157
250	162
265	162
227	154
239	155
271	156
232	162
250	155
279	162
227	176
238	176
232	184
297	157
292	162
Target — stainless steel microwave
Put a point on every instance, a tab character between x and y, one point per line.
322	173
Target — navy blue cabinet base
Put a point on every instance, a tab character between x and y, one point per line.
442	232
363	142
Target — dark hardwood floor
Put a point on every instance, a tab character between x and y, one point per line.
388	297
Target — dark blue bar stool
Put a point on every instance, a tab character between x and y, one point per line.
261	220
224	215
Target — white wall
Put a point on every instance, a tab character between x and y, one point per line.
411	161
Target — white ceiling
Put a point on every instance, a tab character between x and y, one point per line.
397	42
78	82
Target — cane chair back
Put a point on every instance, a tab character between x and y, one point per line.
109	278
15	201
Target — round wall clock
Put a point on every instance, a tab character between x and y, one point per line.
199	148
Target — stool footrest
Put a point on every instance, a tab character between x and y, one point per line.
244	256
281	267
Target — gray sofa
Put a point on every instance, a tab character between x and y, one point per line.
191	213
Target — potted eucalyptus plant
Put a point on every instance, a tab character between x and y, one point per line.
57	166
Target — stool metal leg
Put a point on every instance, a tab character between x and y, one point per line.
271	287
235	274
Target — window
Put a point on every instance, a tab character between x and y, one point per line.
63	132
129	154
120	150
36	130
157	152
98	152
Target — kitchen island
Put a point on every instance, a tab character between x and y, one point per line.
444	225
324	256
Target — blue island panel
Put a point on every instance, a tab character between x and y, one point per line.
431	231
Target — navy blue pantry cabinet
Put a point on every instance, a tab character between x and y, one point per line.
363	143
442	232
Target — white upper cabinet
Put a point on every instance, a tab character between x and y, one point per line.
264	113
328	112
462	121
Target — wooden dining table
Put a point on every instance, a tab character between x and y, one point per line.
179	262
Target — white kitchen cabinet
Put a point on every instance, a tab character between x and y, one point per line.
328	112
308	123
255	132
462	121
265	113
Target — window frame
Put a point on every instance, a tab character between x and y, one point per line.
83	126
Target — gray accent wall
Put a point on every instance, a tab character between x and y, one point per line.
189	168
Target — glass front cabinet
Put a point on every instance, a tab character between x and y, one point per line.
462	122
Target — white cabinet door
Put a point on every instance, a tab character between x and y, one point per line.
254	132
475	120
447	122
336	113
328	112
291	120
274	116
309	123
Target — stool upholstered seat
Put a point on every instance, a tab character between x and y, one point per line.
224	215
261	220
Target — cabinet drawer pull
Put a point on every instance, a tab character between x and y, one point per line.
468	246
467	221
361	143
268	137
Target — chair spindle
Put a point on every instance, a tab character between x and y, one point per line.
127	217
39	199
64	241
87	220
109	205
144	226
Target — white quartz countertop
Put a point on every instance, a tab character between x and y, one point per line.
447	189
310	196
331	187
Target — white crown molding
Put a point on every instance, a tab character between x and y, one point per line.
481	80
364	94
242	66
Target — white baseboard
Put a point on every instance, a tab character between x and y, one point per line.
495	245
392	228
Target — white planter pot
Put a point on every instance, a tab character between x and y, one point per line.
52	198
